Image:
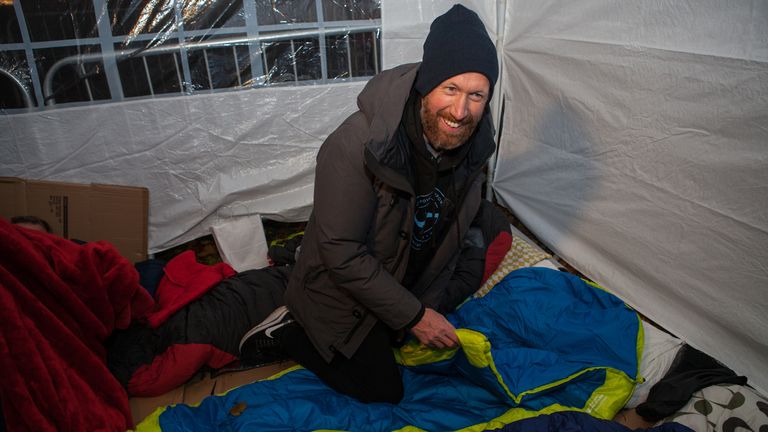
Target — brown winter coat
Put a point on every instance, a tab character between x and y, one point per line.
355	250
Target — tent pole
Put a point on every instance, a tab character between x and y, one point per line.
498	97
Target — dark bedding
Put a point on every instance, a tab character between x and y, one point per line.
204	333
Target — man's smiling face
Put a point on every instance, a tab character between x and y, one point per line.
451	111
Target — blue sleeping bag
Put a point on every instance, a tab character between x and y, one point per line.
541	341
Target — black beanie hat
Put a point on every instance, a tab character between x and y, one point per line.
457	43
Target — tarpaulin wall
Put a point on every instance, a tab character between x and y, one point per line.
204	159
635	144
217	107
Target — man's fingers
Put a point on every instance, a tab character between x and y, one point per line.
435	331
454	338
450	339
444	341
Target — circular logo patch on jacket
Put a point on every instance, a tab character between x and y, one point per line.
427	214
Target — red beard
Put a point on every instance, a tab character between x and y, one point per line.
439	138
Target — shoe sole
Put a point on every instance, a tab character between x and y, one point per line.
275	317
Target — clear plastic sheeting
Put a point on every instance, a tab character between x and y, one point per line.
635	145
54	52
217	107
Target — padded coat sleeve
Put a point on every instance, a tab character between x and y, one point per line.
345	208
465	280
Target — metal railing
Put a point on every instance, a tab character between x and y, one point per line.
24	91
80	59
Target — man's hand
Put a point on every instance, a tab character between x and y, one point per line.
434	331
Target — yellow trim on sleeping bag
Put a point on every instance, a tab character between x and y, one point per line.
640	343
604	402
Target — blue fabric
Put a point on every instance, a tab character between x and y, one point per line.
150	274
546	325
570	421
300	401
543	326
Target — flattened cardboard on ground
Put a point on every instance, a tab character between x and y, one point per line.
88	212
202	386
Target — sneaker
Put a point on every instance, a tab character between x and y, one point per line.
261	336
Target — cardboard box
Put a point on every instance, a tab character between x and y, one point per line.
87	212
202	386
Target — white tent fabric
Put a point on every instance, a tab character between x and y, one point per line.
204	159
635	144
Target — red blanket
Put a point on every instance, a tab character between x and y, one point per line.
58	303
185	281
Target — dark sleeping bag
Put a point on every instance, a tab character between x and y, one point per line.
204	333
